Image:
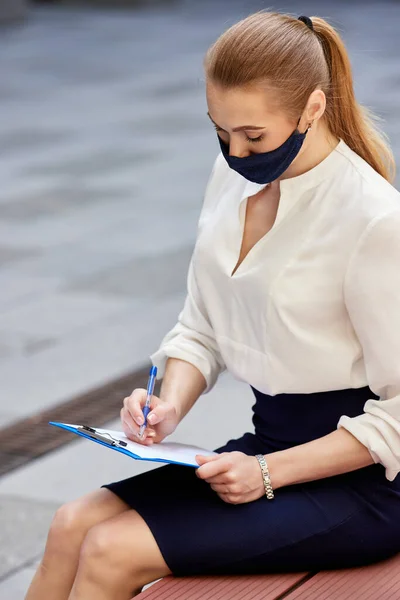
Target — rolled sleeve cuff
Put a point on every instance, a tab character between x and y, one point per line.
197	359
373	433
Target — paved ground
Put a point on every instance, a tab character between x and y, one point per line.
105	150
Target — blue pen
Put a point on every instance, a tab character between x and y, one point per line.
150	389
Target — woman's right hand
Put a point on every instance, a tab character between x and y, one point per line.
162	420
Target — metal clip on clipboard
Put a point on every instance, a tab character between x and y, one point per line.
102	437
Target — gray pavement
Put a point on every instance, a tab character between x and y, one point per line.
105	150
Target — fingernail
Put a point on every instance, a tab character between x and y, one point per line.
151	418
139	420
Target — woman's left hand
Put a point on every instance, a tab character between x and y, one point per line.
234	476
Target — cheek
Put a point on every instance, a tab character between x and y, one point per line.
275	139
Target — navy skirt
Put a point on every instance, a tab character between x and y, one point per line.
343	521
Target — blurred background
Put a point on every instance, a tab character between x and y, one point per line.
105	151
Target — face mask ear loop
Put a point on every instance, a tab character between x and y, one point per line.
308	128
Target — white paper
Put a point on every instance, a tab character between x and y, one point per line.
169	451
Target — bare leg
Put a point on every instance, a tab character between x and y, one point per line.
118	558
57	570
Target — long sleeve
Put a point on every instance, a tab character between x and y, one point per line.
372	297
192	339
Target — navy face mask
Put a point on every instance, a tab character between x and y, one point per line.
266	166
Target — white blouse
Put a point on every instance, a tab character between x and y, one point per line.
315	304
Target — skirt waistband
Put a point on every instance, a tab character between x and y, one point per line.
287	420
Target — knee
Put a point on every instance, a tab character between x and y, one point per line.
99	548
102	555
68	527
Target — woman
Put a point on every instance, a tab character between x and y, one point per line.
294	287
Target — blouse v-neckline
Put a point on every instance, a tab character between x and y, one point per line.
243	216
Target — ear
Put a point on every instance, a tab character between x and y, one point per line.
315	107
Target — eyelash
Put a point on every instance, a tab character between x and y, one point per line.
248	139
255	140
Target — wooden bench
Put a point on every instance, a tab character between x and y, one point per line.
376	582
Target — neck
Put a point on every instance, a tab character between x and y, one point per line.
318	144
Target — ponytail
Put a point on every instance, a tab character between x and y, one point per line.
347	119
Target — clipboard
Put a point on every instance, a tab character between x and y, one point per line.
165	452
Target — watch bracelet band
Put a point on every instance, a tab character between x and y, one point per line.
269	492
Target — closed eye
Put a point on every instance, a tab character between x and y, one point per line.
257	139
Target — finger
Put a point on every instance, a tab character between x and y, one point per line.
221	479
126	429
231	498
202	460
150	439
130	432
226	488
134	404
158	413
131	429
215	467
146	439
147	433
224	497
129	422
220	489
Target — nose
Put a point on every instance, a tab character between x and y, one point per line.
238	148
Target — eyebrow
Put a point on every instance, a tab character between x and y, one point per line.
241	128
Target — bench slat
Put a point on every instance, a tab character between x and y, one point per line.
380	581
240	587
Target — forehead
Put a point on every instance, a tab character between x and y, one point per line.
238	106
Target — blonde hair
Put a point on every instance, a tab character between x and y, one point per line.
292	60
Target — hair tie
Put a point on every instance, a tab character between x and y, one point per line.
307	21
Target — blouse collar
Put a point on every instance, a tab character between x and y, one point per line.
296	185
